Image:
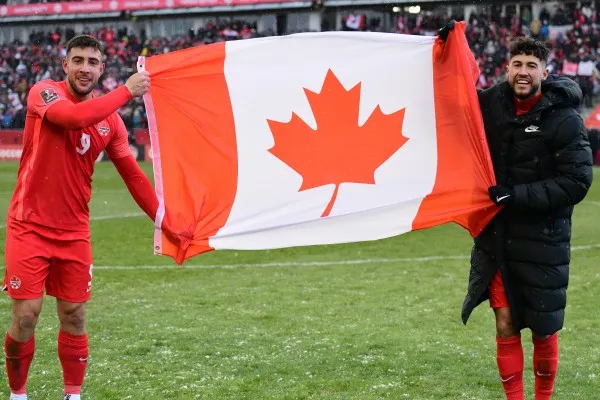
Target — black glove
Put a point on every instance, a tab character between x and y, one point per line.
443	32
501	195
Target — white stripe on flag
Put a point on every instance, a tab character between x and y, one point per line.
267	215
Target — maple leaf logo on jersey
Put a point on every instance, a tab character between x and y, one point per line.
48	95
339	150
104	130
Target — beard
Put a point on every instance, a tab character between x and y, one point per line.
79	92
524	95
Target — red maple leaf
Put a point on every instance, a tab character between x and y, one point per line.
339	150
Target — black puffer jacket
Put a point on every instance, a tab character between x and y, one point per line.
545	157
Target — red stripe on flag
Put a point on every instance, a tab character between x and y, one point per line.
464	167
197	140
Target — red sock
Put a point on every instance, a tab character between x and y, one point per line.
509	356
545	366
18	359
73	354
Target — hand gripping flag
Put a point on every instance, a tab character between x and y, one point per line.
315	138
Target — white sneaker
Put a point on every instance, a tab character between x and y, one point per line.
71	397
18	396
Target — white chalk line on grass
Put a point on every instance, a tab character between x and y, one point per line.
105	217
315	263
139	214
311	263
291	263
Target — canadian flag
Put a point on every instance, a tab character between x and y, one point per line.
315	138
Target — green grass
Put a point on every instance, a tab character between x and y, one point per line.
373	330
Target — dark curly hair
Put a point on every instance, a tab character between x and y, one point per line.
84	41
529	46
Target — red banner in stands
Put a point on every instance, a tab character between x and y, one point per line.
80	7
11	136
11	145
142	136
13	152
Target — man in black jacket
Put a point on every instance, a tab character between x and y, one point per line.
543	166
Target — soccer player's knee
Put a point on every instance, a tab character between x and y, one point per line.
74	318
27	320
504	326
77	321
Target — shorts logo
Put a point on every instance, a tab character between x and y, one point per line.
48	95
15	282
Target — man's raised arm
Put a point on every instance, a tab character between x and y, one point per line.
90	112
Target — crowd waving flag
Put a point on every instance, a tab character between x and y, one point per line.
315	138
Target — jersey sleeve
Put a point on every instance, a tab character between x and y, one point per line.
118	147
43	95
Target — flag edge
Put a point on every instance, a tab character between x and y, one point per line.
156	162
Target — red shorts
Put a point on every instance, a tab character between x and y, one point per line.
39	258
498	297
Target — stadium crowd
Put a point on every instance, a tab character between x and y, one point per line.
575	52
23	64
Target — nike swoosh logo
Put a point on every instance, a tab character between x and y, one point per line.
507	379
499	199
540	374
81	359
529	130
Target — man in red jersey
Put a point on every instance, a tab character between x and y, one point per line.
48	234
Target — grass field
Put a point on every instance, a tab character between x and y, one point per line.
376	320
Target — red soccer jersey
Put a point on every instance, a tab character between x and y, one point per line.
55	174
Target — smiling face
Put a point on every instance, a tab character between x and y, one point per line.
83	66
525	75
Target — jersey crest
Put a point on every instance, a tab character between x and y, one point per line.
103	129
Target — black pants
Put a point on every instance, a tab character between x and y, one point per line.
594	142
587	89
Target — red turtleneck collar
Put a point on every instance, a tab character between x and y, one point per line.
523	107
